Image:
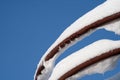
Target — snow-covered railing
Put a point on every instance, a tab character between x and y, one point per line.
107	16
78	62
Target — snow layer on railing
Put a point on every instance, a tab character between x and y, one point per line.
95	49
113	26
108	8
100	67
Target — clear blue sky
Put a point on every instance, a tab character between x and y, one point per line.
29	27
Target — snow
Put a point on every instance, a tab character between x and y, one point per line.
83	55
109	64
49	65
107	8
114	27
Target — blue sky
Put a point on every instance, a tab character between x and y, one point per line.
29	27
